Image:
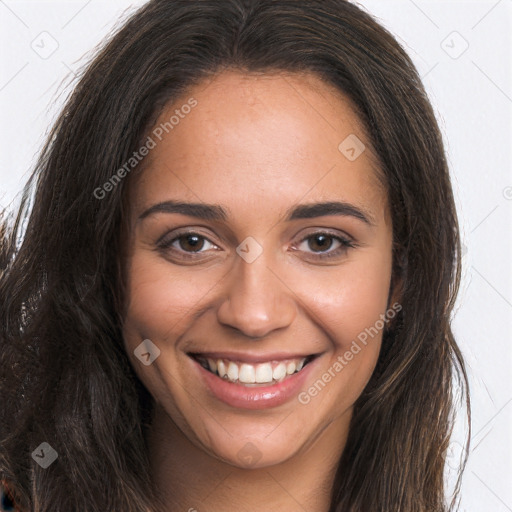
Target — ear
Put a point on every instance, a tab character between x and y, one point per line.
397	285
394	303
398	274
396	290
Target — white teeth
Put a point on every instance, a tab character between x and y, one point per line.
264	373
290	368
279	371
247	374
221	368
232	371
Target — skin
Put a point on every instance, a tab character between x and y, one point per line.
257	145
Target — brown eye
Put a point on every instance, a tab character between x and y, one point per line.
320	242
191	242
186	245
319	245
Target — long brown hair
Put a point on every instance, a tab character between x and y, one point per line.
65	378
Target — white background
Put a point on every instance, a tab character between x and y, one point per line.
471	89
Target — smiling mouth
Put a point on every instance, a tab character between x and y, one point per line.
261	374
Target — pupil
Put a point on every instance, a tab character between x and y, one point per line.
323	244
193	241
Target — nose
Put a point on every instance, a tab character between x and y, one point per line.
258	300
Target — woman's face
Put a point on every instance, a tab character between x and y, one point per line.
236	263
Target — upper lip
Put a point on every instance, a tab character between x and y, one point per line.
247	357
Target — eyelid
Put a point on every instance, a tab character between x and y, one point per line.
346	242
311	231
172	236
336	233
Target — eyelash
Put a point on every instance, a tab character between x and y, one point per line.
345	244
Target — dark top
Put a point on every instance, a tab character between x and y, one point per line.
6	500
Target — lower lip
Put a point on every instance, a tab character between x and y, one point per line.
244	397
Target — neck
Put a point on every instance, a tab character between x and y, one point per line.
189	479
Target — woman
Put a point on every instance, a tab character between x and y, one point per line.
233	284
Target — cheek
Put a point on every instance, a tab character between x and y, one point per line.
347	300
342	300
162	296
349	305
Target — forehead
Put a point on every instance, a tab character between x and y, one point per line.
250	138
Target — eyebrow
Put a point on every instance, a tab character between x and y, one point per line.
216	212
